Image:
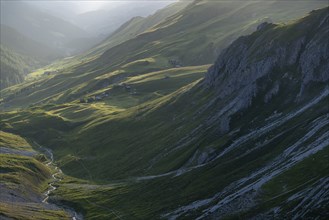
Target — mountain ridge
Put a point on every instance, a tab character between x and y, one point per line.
16	41
249	65
164	44
41	27
14	67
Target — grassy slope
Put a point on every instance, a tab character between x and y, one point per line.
147	199
24	178
13	141
129	199
97	143
127	31
136	26
14	67
107	156
67	122
214	26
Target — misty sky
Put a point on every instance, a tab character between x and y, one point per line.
98	18
78	7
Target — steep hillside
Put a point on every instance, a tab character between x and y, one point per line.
14	67
202	28
137	25
14	70
268	161
112	15
41	27
23	179
19	43
249	141
21	55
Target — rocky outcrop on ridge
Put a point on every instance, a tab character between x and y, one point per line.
299	50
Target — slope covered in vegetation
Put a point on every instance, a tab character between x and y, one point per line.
203	28
23	179
14	67
248	141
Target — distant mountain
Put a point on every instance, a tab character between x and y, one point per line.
41	27
203	28
21	44
137	25
20	55
113	15
14	67
103	21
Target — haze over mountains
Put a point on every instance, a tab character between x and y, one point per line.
101	17
46	31
40	26
59	23
202	110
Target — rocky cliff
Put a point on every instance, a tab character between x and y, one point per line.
295	54
270	99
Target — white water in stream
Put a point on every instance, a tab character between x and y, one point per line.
56	179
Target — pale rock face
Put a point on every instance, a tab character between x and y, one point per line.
262	25
270	69
253	57
314	59
275	89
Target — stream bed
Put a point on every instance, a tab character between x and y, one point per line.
55	179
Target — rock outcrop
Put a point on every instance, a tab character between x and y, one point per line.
300	48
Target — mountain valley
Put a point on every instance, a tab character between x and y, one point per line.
202	110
